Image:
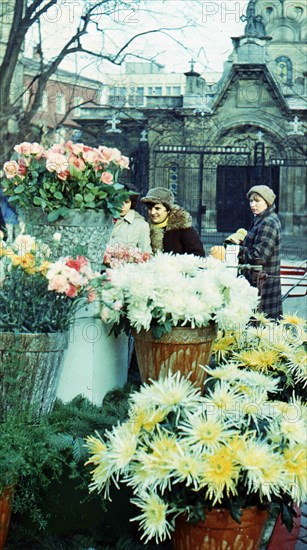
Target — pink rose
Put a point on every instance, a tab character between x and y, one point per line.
37	150
11	169
108	154
123	162
23	166
92	156
77	162
107	177
56	148
23	148
63	175
56	162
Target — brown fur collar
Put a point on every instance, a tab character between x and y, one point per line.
178	219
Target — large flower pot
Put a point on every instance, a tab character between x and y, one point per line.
6	498
220	532
94	362
183	349
29	370
85	232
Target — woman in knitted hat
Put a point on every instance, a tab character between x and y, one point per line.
261	246
170	225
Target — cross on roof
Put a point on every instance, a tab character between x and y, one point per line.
192	61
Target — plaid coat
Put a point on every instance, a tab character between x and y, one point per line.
262	246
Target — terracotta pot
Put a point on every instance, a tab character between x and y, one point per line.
30	366
220	532
183	349
6	499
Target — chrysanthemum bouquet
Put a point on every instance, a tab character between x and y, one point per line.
278	349
117	255
175	290
68	175
36	293
183	453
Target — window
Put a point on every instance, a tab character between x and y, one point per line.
60	104
176	90
284	69
117	95
154	90
77	101
44	102
136	97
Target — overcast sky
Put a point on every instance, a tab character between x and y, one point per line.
204	30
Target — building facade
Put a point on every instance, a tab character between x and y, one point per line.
217	139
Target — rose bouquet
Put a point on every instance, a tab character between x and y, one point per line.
175	290
183	453
36	293
68	175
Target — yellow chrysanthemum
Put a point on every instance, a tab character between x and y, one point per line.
235	444
208	433
15	259
122	446
220	474
27	261
296	471
163	446
187	468
259	359
223	345
153	519
146	418
295	320
43	267
96	447
150	471
261	318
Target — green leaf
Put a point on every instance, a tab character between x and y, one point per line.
54	215
78	197
58	195
19	189
89	197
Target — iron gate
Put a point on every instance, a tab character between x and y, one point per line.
202	179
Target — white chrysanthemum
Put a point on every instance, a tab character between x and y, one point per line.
264	468
122	446
205	433
153	519
169	392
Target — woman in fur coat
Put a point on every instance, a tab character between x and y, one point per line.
170	225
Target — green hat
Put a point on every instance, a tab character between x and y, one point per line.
160	194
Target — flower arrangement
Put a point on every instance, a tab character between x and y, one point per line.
183	453
274	348
175	290
68	175
37	294
117	255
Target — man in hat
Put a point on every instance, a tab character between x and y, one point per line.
170	225
261	246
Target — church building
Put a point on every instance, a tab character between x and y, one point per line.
212	143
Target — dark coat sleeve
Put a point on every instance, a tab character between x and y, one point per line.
191	242
265	240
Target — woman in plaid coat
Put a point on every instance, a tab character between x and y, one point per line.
262	246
